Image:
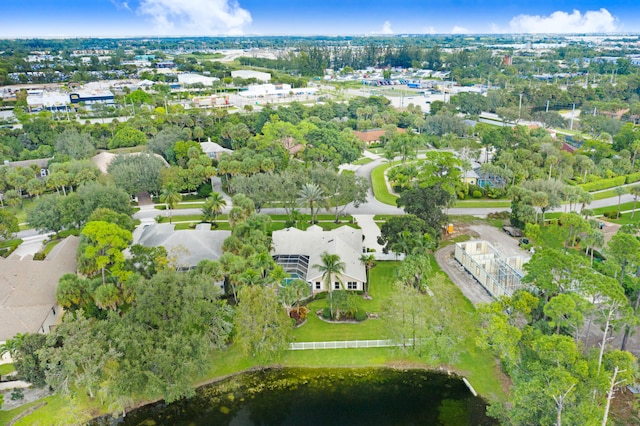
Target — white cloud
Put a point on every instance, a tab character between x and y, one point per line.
121	4
386	28
459	30
592	21
195	17
430	30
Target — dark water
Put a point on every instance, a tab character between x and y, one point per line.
324	397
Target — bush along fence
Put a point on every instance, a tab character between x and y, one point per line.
348	344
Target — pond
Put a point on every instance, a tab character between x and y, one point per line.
297	396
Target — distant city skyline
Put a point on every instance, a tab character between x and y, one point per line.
123	18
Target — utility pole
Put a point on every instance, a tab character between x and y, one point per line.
520	107
573	110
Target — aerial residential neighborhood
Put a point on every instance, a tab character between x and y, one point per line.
203	225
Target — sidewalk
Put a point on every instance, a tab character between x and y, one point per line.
371	232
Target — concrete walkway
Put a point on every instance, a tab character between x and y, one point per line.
371	232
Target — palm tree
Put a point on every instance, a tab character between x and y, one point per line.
635	191
12	346
311	194
213	206
369	262
595	238
170	196
540	200
619	191
331	266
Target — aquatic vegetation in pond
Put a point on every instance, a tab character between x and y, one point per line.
296	396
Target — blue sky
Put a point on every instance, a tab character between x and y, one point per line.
54	18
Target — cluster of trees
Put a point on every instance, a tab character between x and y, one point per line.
555	338
314	187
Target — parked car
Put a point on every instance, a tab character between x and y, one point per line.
511	231
523	241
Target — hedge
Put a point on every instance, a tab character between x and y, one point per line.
604	183
633	177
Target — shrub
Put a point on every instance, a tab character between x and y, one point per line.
633	177
64	234
321	296
17	394
326	313
360	315
460	195
39	256
476	194
604	184
204	190
612	214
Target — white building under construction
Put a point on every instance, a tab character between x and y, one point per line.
498	274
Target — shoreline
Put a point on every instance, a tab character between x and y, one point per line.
397	366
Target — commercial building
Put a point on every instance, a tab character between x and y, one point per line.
247	74
190	79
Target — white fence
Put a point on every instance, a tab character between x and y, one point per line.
347	344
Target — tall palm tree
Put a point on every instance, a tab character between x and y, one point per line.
331	266
541	200
213	206
170	196
369	261
635	191
620	191
311	194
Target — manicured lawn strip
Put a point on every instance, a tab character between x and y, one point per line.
614	208
379	185
478	204
384	217
625	219
6	369
609	193
362	161
185	218
50	245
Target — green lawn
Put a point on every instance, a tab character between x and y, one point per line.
625	219
614	208
478	366
604	194
6	369
478	204
362	161
379	185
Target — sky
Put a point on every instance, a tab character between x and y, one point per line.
122	18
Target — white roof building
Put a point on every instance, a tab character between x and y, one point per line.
246	74
300	251
189	78
40	99
214	150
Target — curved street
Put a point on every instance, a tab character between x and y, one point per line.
373	206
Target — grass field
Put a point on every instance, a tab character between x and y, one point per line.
379	185
478	366
478	204
362	161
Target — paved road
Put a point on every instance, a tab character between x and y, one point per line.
374	207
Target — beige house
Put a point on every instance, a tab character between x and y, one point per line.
28	290
214	150
299	253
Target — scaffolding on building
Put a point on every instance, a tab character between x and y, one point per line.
498	274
